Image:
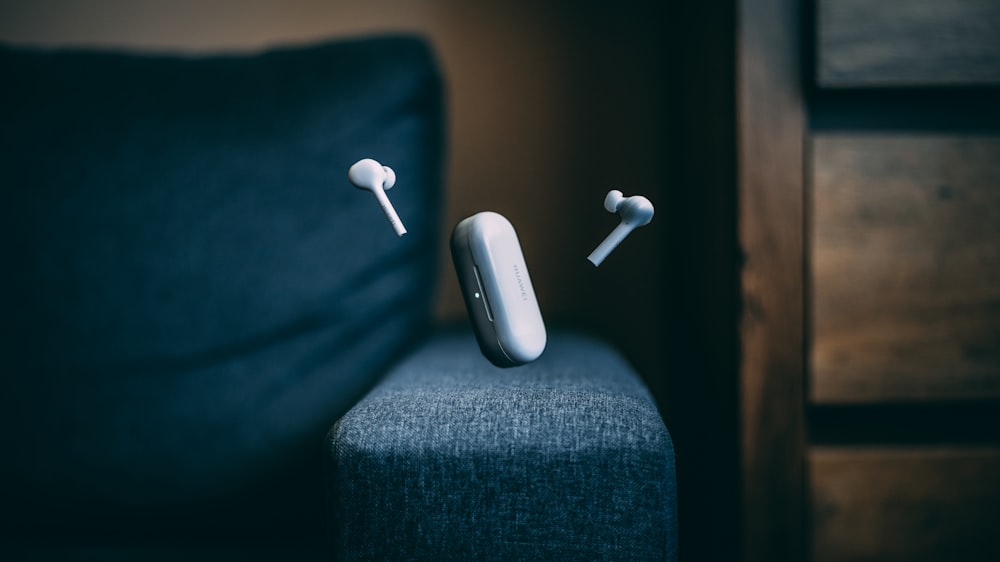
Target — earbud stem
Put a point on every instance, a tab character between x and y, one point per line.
390	213
610	243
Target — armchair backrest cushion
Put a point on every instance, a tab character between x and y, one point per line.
191	290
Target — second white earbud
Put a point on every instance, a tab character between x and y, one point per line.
635	211
369	174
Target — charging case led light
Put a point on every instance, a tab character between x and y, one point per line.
497	290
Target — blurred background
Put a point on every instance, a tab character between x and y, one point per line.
814	305
550	105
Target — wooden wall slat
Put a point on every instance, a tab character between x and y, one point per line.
895	504
770	126
905	268
908	42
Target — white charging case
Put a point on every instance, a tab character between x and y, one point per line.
497	290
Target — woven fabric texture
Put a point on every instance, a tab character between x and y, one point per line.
453	458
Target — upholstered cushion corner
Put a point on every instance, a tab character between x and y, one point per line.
564	458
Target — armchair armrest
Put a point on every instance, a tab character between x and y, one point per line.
564	458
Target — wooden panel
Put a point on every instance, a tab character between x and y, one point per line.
905	269
770	157
904	504
908	42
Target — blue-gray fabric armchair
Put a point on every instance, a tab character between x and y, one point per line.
193	296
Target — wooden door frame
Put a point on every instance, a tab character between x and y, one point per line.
771	166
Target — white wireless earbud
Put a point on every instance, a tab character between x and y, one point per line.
636	211
369	174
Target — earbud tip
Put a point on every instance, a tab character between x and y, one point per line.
612	200
390	178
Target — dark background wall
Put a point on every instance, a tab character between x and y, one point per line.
551	104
